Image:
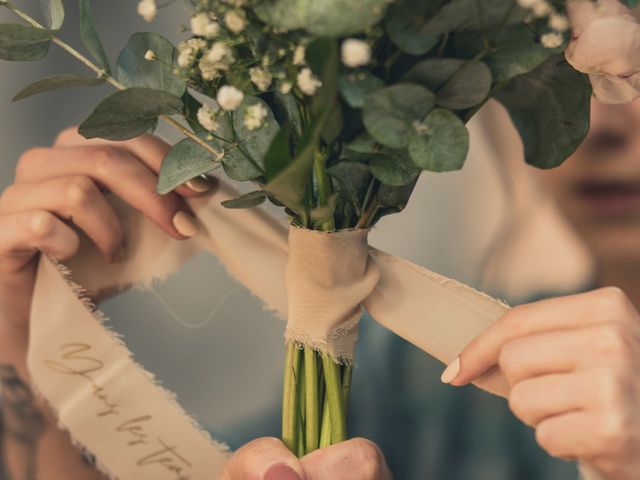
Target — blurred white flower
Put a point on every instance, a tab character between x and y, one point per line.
150	56
197	44
528	4
559	22
285	87
217	59
229	97
203	26
254	116
542	8
606	45
298	55
207	118
235	21
308	82
355	52
551	40
261	78
186	55
147	9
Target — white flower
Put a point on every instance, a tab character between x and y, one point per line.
285	87
150	56
308	82
197	44
542	9
147	9
559	22
298	55
186	55
203	26
528	4
229	97
217	59
261	78
254	116
208	70
207	118
551	40
355	52
606	45
235	20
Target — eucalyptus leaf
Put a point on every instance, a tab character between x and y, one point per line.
129	113
550	108
53	11
514	50
183	162
90	36
23	42
287	111
355	86
458	84
440	143
389	114
461	15
279	155
352	179
405	25
248	200
393	199
135	71
394	169
363	143
323	18
56	82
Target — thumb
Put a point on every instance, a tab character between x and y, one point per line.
263	459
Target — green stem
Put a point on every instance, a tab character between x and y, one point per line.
312	400
102	73
325	431
290	397
334	399
346	386
324	187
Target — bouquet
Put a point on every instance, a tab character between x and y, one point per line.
333	108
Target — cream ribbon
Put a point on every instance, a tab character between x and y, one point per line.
113	408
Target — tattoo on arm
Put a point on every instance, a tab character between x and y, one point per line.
22	421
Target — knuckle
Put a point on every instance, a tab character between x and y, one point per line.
40	224
518	400
368	457
26	162
614	340
81	191
613	436
107	159
614	300
509	360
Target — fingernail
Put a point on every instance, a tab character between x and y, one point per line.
451	372
281	471
199	184
185	224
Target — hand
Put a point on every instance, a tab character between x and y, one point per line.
573	367
62	188
270	459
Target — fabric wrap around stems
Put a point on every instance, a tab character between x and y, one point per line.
136	429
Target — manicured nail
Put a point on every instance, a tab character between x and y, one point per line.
451	372
185	224
199	184
281	471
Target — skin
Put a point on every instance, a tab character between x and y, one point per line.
572	362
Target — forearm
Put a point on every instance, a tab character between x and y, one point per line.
31	444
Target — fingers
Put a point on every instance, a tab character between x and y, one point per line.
611	343
22	234
120	172
356	459
263	459
603	305
149	149
536	399
76	198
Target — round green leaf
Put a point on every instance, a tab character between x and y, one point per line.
394	168
405	24
134	71
129	113
457	84
330	18
440	143
183	162
461	15
248	200
355	86
389	114
23	42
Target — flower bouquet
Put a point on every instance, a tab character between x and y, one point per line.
332	109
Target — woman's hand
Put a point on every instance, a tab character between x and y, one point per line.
573	366
61	189
270	459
